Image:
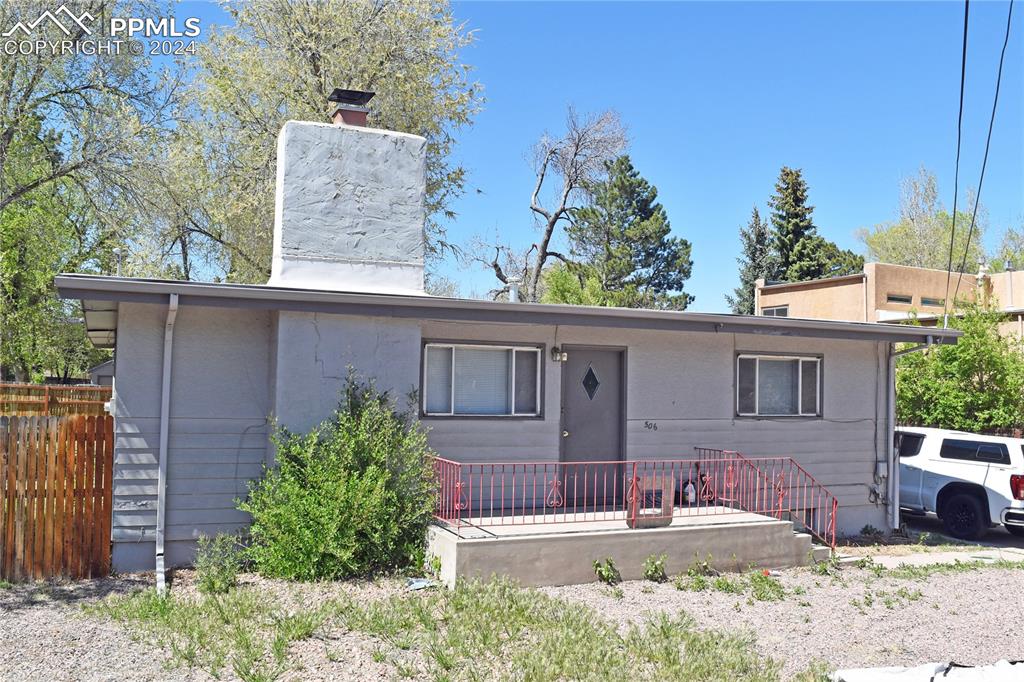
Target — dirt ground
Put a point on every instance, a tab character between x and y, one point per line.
855	617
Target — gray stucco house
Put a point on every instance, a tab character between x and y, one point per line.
202	369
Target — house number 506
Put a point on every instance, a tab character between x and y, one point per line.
651	426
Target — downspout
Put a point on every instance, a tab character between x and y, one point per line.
893	487
165	410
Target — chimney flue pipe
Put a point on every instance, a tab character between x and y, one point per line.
350	106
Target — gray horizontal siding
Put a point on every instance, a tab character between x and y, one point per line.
218	430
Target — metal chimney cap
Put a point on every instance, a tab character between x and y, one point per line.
357	98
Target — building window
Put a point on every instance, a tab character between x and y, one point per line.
937	302
479	380
899	298
776	311
778	386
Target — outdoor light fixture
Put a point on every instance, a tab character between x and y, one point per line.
557	355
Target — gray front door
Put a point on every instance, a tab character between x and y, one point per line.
592	416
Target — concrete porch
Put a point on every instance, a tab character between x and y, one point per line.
562	552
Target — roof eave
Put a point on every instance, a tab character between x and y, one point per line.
92	288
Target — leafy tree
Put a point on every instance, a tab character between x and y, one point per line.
77	140
1011	251
975	385
919	237
44	232
757	261
621	238
575	285
279	61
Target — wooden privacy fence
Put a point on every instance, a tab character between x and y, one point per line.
47	400
55	496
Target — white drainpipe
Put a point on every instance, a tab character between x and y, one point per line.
165	410
893	487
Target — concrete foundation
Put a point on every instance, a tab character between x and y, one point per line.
538	555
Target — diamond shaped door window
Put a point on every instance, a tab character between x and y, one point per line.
590	382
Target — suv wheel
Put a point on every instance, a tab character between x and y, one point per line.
1016	531
963	517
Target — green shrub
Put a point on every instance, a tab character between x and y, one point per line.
654	569
606	572
351	498
218	561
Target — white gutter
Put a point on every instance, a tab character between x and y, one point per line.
165	410
893	486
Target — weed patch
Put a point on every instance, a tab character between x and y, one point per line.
497	631
654	569
766	587
606	572
241	630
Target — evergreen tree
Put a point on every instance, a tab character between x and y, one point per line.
758	261
791	216
816	257
801	253
622	239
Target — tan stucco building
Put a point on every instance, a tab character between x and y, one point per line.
891	293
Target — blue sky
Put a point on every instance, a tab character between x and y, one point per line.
718	96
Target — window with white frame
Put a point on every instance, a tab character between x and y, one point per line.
481	380
778	386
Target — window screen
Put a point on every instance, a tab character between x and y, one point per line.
438	388
747	386
809	387
526	382
778	386
481	380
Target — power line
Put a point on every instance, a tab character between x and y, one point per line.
956	175
988	141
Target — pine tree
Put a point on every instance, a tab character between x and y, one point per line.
801	253
622	239
758	261
816	257
791	216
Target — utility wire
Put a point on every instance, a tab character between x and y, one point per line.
956	175
988	141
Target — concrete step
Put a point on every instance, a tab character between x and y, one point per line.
820	553
563	555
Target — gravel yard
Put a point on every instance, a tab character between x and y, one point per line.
855	617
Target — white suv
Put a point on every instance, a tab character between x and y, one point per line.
969	481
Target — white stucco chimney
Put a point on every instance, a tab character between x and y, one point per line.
349	207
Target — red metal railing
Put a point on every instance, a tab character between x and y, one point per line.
642	493
798	496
